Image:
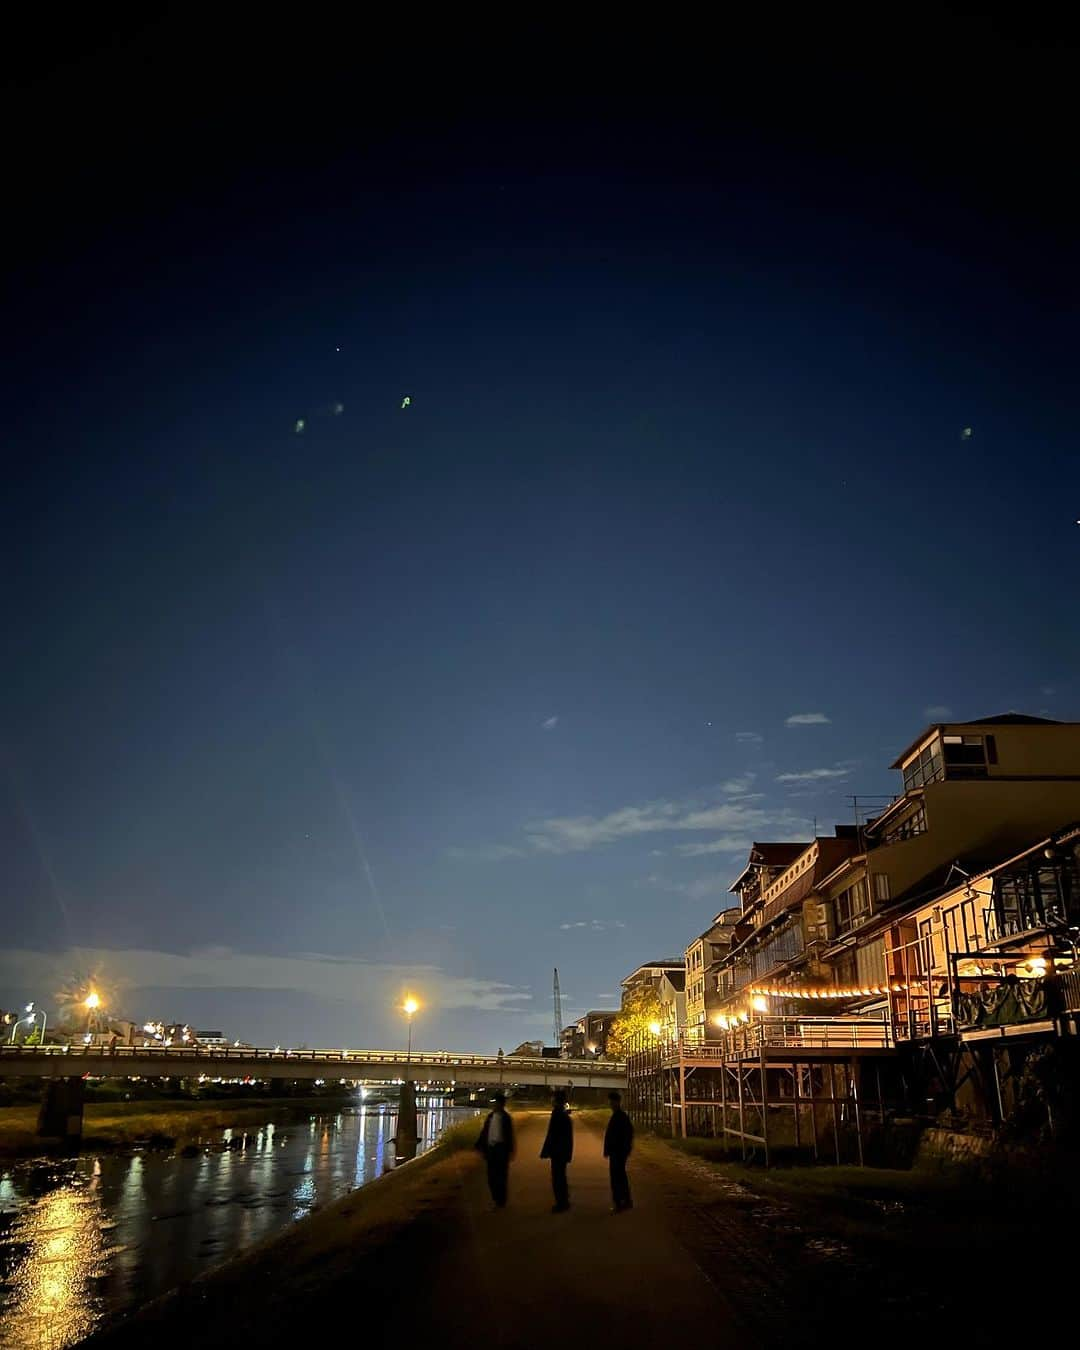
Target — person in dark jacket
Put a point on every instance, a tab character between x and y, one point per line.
496	1143
559	1147
618	1143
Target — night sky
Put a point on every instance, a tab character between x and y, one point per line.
678	542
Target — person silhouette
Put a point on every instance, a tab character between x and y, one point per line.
618	1143
559	1148
496	1144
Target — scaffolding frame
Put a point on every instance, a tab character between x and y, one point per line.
740	1088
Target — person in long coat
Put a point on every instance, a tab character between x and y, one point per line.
618	1142
496	1144
559	1148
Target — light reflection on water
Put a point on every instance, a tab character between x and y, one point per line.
86	1237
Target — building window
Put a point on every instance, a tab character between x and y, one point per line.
852	907
925	768
785	946
907	828
966	756
870	964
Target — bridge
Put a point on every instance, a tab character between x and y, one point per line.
360	1066
63	1070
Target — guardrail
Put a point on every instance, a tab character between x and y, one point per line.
225	1054
810	1033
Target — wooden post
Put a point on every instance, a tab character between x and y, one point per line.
813	1110
682	1088
764	1105
742	1113
854	1069
405	1140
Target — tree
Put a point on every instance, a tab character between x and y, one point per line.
632	1029
34	1038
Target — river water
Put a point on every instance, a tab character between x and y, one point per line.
85	1238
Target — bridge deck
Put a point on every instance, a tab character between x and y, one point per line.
125	1061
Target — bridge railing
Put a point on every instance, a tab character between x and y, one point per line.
236	1054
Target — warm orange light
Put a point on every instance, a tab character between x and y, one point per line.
91	1000
410	1006
654	1027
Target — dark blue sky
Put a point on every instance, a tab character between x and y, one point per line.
690	347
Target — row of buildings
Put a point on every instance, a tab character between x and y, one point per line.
923	951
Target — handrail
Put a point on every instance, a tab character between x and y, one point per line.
236	1053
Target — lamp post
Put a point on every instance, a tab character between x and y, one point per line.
409	1007
90	1002
31	1017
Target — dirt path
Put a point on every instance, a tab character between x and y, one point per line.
529	1277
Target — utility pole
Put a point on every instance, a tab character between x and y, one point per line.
558	1009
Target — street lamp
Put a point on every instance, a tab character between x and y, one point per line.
655	1028
31	1017
90	1002
409	1007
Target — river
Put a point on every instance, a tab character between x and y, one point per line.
85	1238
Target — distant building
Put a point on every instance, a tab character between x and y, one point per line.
211	1038
672	994
649	975
533	1049
597	1025
703	958
572	1040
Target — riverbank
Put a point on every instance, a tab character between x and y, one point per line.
747	1255
364	1257
108	1125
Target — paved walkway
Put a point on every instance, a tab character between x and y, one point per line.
526	1277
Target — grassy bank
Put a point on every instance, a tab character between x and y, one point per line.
119	1124
375	1242
937	1205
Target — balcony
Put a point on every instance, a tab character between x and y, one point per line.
1012	1002
769	1035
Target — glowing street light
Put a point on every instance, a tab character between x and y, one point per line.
90	1002
409	1007
655	1028
32	1015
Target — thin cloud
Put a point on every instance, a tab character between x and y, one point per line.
593	925
740	818
576	834
812	775
716	883
738	787
937	712
550	723
748	738
732	844
806	720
